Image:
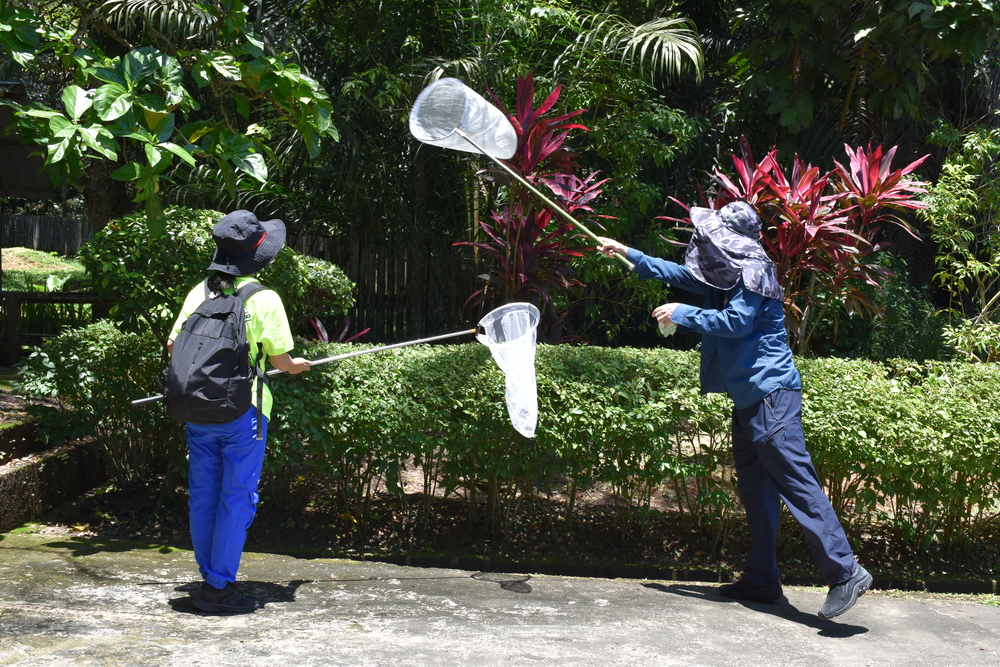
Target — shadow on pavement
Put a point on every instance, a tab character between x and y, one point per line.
88	546
508	582
781	609
264	591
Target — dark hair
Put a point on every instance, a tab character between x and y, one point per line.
220	281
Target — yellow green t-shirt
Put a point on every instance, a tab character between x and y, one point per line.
266	323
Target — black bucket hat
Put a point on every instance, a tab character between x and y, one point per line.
726	246
244	244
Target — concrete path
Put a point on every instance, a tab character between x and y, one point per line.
66	602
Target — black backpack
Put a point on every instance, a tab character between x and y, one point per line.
209	379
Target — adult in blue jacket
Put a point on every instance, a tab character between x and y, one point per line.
745	354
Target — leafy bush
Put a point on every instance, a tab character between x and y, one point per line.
907	325
910	448
95	372
146	277
905	446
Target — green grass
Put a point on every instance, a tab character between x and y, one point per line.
25	269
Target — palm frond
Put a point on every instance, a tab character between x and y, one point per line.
175	19
469	69
666	46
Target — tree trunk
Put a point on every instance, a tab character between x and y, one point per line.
106	199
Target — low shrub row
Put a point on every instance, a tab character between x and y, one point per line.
911	446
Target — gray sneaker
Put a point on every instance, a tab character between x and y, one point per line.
843	596
228	600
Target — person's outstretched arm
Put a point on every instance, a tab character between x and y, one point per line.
287	364
647	266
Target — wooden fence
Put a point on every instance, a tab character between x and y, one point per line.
63	235
407	287
405	290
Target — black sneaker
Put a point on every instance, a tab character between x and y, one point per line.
843	596
746	590
228	600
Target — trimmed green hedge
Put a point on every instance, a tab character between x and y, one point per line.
911	446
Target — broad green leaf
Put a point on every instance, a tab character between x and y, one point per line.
138	64
228	176
200	75
164	129
155	218
67	130
108	76
147	184
311	139
57	151
42	113
18	34
178	151
112	101
151	102
170	71
225	65
58	123
128	172
101	140
153	155
195	131
77	101
253	165
153	118
242	105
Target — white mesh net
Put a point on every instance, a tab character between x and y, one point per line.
509	332
447	107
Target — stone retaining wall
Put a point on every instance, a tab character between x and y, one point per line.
38	483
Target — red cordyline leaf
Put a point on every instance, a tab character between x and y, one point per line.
558	124
530	251
545	106
525	98
819	224
876	191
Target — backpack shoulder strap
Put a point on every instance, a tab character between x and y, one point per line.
244	293
248	290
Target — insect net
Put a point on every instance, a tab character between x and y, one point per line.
448	109
510	333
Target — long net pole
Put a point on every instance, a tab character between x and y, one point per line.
346	355
556	207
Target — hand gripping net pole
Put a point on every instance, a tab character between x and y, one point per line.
510	333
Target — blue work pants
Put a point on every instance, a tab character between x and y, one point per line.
772	464
224	471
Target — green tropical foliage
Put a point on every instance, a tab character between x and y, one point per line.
883	59
209	90
146	278
962	211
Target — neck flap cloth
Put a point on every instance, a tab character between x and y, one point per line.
725	247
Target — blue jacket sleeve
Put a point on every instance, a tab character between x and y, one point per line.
736	320
672	273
